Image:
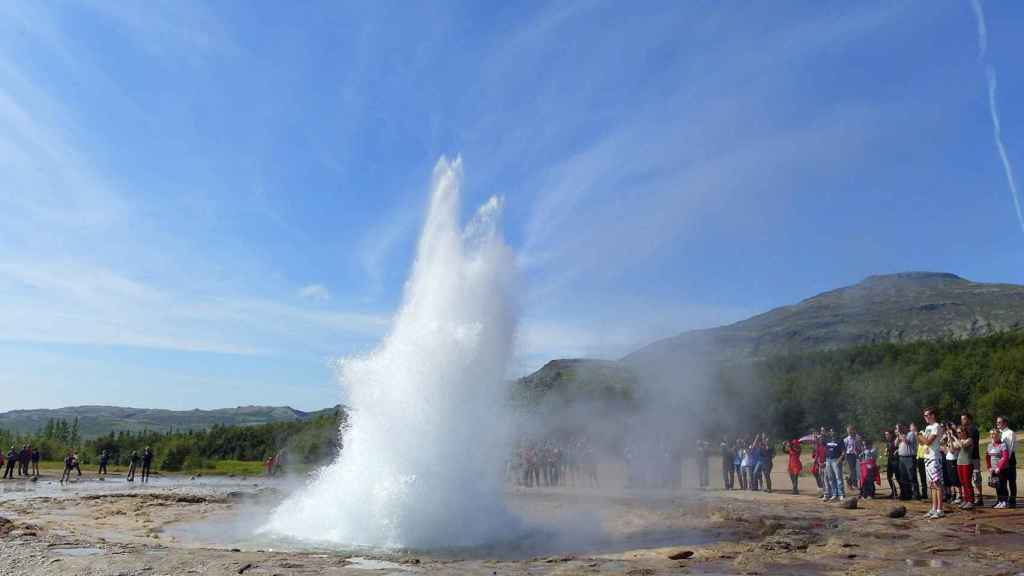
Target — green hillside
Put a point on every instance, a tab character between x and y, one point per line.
95	421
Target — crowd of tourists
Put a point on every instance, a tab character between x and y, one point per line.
26	462
550	462
941	462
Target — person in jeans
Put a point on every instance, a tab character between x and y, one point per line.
834	453
746	468
756	463
906	451
737	463
967	422
852	446
931	438
998	462
1010	439
964	467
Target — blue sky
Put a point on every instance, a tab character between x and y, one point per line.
203	204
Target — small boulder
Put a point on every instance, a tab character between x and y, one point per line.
850	503
681	555
897	512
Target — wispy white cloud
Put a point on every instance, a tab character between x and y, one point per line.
169	29
317	292
82	304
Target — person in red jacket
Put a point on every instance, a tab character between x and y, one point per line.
795	466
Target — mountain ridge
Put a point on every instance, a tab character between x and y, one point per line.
898	308
95	420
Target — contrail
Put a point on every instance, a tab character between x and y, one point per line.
982	30
997	132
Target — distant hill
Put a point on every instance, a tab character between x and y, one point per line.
573	379
893	308
98	420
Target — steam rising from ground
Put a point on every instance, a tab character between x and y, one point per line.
423	461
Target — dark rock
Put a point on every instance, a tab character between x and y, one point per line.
897	512
681	555
850	503
244	568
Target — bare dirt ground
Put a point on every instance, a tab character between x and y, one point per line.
108	528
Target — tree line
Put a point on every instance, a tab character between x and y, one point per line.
308	441
874	386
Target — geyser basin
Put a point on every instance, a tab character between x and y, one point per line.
553	522
423	463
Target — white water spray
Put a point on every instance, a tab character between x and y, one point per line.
423	461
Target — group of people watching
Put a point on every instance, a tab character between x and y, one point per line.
746	463
942	462
26	461
550	462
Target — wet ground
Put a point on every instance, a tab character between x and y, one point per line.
183	525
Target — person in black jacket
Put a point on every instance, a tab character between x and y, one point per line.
147	462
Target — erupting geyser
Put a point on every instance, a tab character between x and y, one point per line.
423	461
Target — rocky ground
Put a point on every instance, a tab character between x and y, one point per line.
111	528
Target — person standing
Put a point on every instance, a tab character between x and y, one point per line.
931	438
12	459
967	422
745	468
998	461
133	461
23	459
738	452
951	452
147	462
35	462
767	461
852	446
69	465
922	475
964	467
818	462
1010	439
868	476
792	448
834	452
892	462
726	451
906	449
756	456
104	459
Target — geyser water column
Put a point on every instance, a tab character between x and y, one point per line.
423	460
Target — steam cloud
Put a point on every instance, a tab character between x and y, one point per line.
997	132
423	460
